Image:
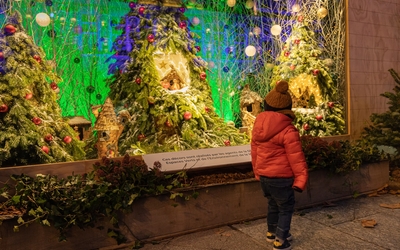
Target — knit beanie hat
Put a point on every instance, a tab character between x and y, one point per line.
278	98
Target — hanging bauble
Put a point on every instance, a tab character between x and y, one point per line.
168	124
132	5
287	53
198	49
182	25
9	29
42	19
141	137
138	80
331	104
319	117
203	76
207	109
98	96
300	18
182	9
226	69
37	120
28	96
257	31
37	58
53	86
292	67
3	108
249	4
150	38
306	127
315	72
227	142
141	10
187	115
48	138
90	89
49	3
45	149
276	30
195	21
67	139
297	41
1	55
77	60
322	12
250	50
231	3
296	7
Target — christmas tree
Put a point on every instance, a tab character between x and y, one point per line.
301	63
160	85
385	128
32	129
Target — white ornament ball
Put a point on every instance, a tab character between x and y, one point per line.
231	3
249	4
257	31
195	21
250	50
322	12
296	7
208	30
43	19
276	30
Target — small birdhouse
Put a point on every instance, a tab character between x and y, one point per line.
108	131
250	107
82	126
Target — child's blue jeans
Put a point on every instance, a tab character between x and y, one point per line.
280	195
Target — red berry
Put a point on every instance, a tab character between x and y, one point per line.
1	55
203	76
306	126
319	117
48	138
138	80
37	120
187	115
168	124
3	108
141	10
67	139
292	67
331	104
227	142
45	149
287	53
150	38
297	41
37	58
141	137
53	86
207	109
315	72
10	29
28	96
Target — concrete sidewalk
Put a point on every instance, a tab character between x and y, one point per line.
337	226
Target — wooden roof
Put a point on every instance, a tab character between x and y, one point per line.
107	119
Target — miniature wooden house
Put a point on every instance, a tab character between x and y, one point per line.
108	131
250	107
172	81
82	126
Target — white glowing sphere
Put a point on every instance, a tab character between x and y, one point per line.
249	4
276	30
231	3
211	64
322	12
296	7
43	19
257	31
250	50
195	21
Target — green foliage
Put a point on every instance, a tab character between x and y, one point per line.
339	157
81	200
385	127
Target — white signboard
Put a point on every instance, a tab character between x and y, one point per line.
200	158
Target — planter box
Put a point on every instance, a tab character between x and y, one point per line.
155	217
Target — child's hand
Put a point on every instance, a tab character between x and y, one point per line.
297	189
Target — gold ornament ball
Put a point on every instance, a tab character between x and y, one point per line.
231	3
249	4
322	12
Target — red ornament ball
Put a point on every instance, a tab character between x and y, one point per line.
306	127
300	18
141	10
203	76
198	49
297	41
207	109
67	139
48	138
287	53
168	124
331	104
182	25
53	86
150	38
227	142
132	5
138	80
28	96
1	55
37	58
315	72
319	117
187	115
141	137
45	149
37	120
10	29
292	67
3	108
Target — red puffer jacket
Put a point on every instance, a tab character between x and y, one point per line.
276	149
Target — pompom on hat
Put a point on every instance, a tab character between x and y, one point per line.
278	98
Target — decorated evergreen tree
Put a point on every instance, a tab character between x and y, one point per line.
310	83
160	85
385	128
32	129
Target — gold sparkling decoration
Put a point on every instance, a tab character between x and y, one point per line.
305	84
